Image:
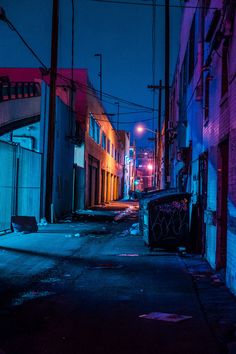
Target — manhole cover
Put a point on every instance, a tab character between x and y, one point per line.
105	266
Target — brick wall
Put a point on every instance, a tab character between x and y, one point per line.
206	135
222	124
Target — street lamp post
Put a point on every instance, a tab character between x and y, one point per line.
100	73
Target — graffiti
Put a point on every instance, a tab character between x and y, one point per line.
170	222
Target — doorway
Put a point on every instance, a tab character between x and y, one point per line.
103	187
93	181
202	202
222	197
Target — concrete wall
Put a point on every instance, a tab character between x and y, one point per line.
19	109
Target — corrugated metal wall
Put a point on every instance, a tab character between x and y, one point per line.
20	180
29	177
7	183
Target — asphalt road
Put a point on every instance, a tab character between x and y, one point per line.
88	299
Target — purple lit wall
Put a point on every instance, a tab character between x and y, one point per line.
211	126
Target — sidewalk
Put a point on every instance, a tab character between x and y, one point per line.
113	211
217	303
53	242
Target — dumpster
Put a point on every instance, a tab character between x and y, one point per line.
166	220
146	197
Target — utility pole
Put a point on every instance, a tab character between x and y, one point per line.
52	111
100	73
159	137
167	91
159	87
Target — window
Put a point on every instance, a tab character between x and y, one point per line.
94	129
104	141
224	76
112	150
108	146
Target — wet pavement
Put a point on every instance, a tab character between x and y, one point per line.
83	287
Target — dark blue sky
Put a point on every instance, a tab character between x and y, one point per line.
122	33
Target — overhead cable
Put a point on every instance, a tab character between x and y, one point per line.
158	5
106	95
13	28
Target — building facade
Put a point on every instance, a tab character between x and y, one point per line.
202	136
103	155
24	124
89	154
124	138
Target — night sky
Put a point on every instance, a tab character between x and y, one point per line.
121	32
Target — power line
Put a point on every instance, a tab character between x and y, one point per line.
107	95
158	5
13	28
124	113
114	121
46	70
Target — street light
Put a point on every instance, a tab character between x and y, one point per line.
150	167
141	129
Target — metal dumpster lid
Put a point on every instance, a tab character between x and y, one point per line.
167	195
158	194
170	196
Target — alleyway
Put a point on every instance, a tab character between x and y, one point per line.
80	287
